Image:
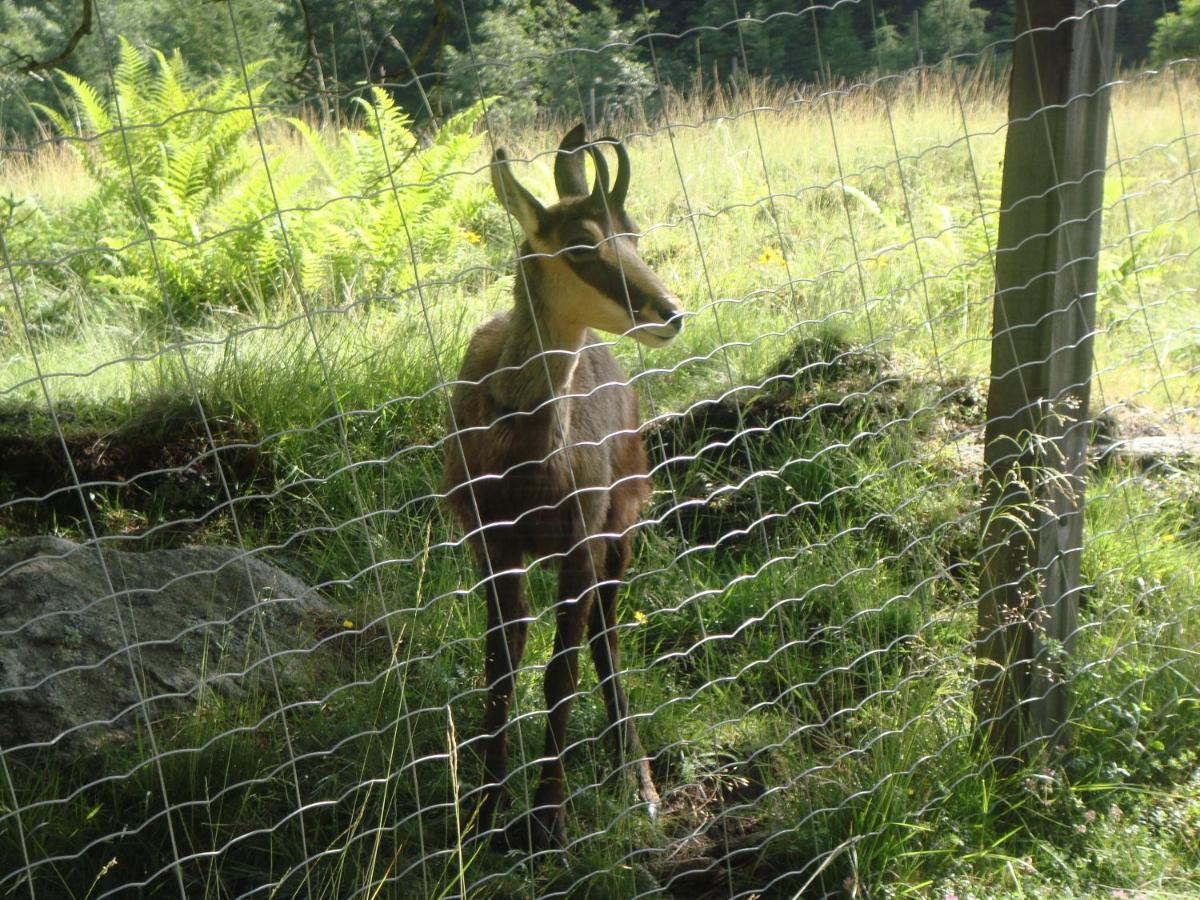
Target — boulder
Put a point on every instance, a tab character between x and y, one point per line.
96	643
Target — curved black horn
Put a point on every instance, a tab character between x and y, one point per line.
621	185
600	191
569	175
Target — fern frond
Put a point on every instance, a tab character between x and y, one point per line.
168	95
93	110
316	145
187	178
131	77
64	126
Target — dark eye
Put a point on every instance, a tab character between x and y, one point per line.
580	246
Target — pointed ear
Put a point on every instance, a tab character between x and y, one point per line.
569	175
521	204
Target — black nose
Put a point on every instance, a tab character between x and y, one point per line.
675	320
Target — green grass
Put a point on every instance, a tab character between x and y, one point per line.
804	679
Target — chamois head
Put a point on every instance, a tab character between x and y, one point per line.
587	246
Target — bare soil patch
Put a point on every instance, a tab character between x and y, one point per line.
159	461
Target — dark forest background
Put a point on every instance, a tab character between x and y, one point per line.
437	55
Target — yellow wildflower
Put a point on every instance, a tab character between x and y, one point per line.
347	623
770	256
473	237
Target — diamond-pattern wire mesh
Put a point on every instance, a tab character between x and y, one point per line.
797	623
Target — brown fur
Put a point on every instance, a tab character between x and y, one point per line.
546	461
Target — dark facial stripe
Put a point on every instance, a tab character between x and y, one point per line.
602	271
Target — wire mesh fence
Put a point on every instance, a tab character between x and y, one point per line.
341	454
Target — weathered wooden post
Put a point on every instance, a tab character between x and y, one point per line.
1036	436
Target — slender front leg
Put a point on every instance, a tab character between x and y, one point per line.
507	628
602	629
576	591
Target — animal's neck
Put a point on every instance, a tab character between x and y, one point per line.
540	351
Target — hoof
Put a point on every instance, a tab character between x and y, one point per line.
544	828
647	792
490	808
652	810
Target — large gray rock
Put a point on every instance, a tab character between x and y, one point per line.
95	644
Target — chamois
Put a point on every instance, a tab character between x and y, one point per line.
545	458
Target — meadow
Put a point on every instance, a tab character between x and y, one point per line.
798	618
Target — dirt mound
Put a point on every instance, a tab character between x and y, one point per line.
811	413
820	378
160	461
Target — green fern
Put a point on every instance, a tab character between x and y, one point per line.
380	186
347	208
163	152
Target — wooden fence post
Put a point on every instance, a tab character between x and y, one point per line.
1036	437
